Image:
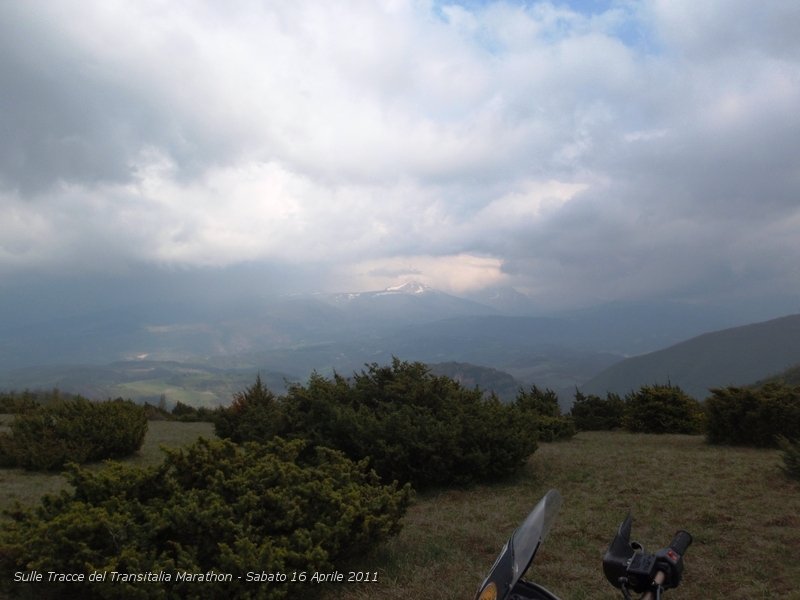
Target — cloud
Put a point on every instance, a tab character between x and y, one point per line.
455	273
628	150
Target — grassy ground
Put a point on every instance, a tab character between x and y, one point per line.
28	486
744	516
153	388
743	513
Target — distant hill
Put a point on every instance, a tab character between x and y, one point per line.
487	379
324	332
790	376
735	356
242	326
201	385
545	351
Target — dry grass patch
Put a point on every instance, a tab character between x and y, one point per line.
736	502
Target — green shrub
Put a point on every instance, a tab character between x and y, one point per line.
542	407
753	416
156	413
791	456
74	430
8	457
542	402
554	429
414	426
17	403
28	400
662	409
184	412
253	415
592	413
215	506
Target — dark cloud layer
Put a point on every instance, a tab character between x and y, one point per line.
582	152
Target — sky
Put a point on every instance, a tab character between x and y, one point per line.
582	152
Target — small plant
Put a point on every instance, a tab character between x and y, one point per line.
791	456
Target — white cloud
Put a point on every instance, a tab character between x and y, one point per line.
527	143
457	273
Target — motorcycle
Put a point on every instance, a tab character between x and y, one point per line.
626	565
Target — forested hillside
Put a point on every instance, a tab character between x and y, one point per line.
736	356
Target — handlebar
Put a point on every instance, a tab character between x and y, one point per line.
681	542
629	568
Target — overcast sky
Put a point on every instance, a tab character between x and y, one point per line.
581	152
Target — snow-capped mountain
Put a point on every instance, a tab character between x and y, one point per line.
295	334
409	287
410	302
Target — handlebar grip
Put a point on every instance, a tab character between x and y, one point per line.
681	542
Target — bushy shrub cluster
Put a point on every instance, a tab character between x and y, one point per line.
753	416
14	403
593	413
791	456
185	413
255	415
74	430
28	400
7	458
155	412
180	412
412	425
542	406
215	506
662	409
650	409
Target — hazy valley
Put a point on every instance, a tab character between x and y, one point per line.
201	354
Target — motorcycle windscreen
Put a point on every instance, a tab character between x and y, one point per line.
517	554
534	529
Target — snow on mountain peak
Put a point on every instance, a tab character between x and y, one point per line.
410	287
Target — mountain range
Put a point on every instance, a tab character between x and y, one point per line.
201	352
735	356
